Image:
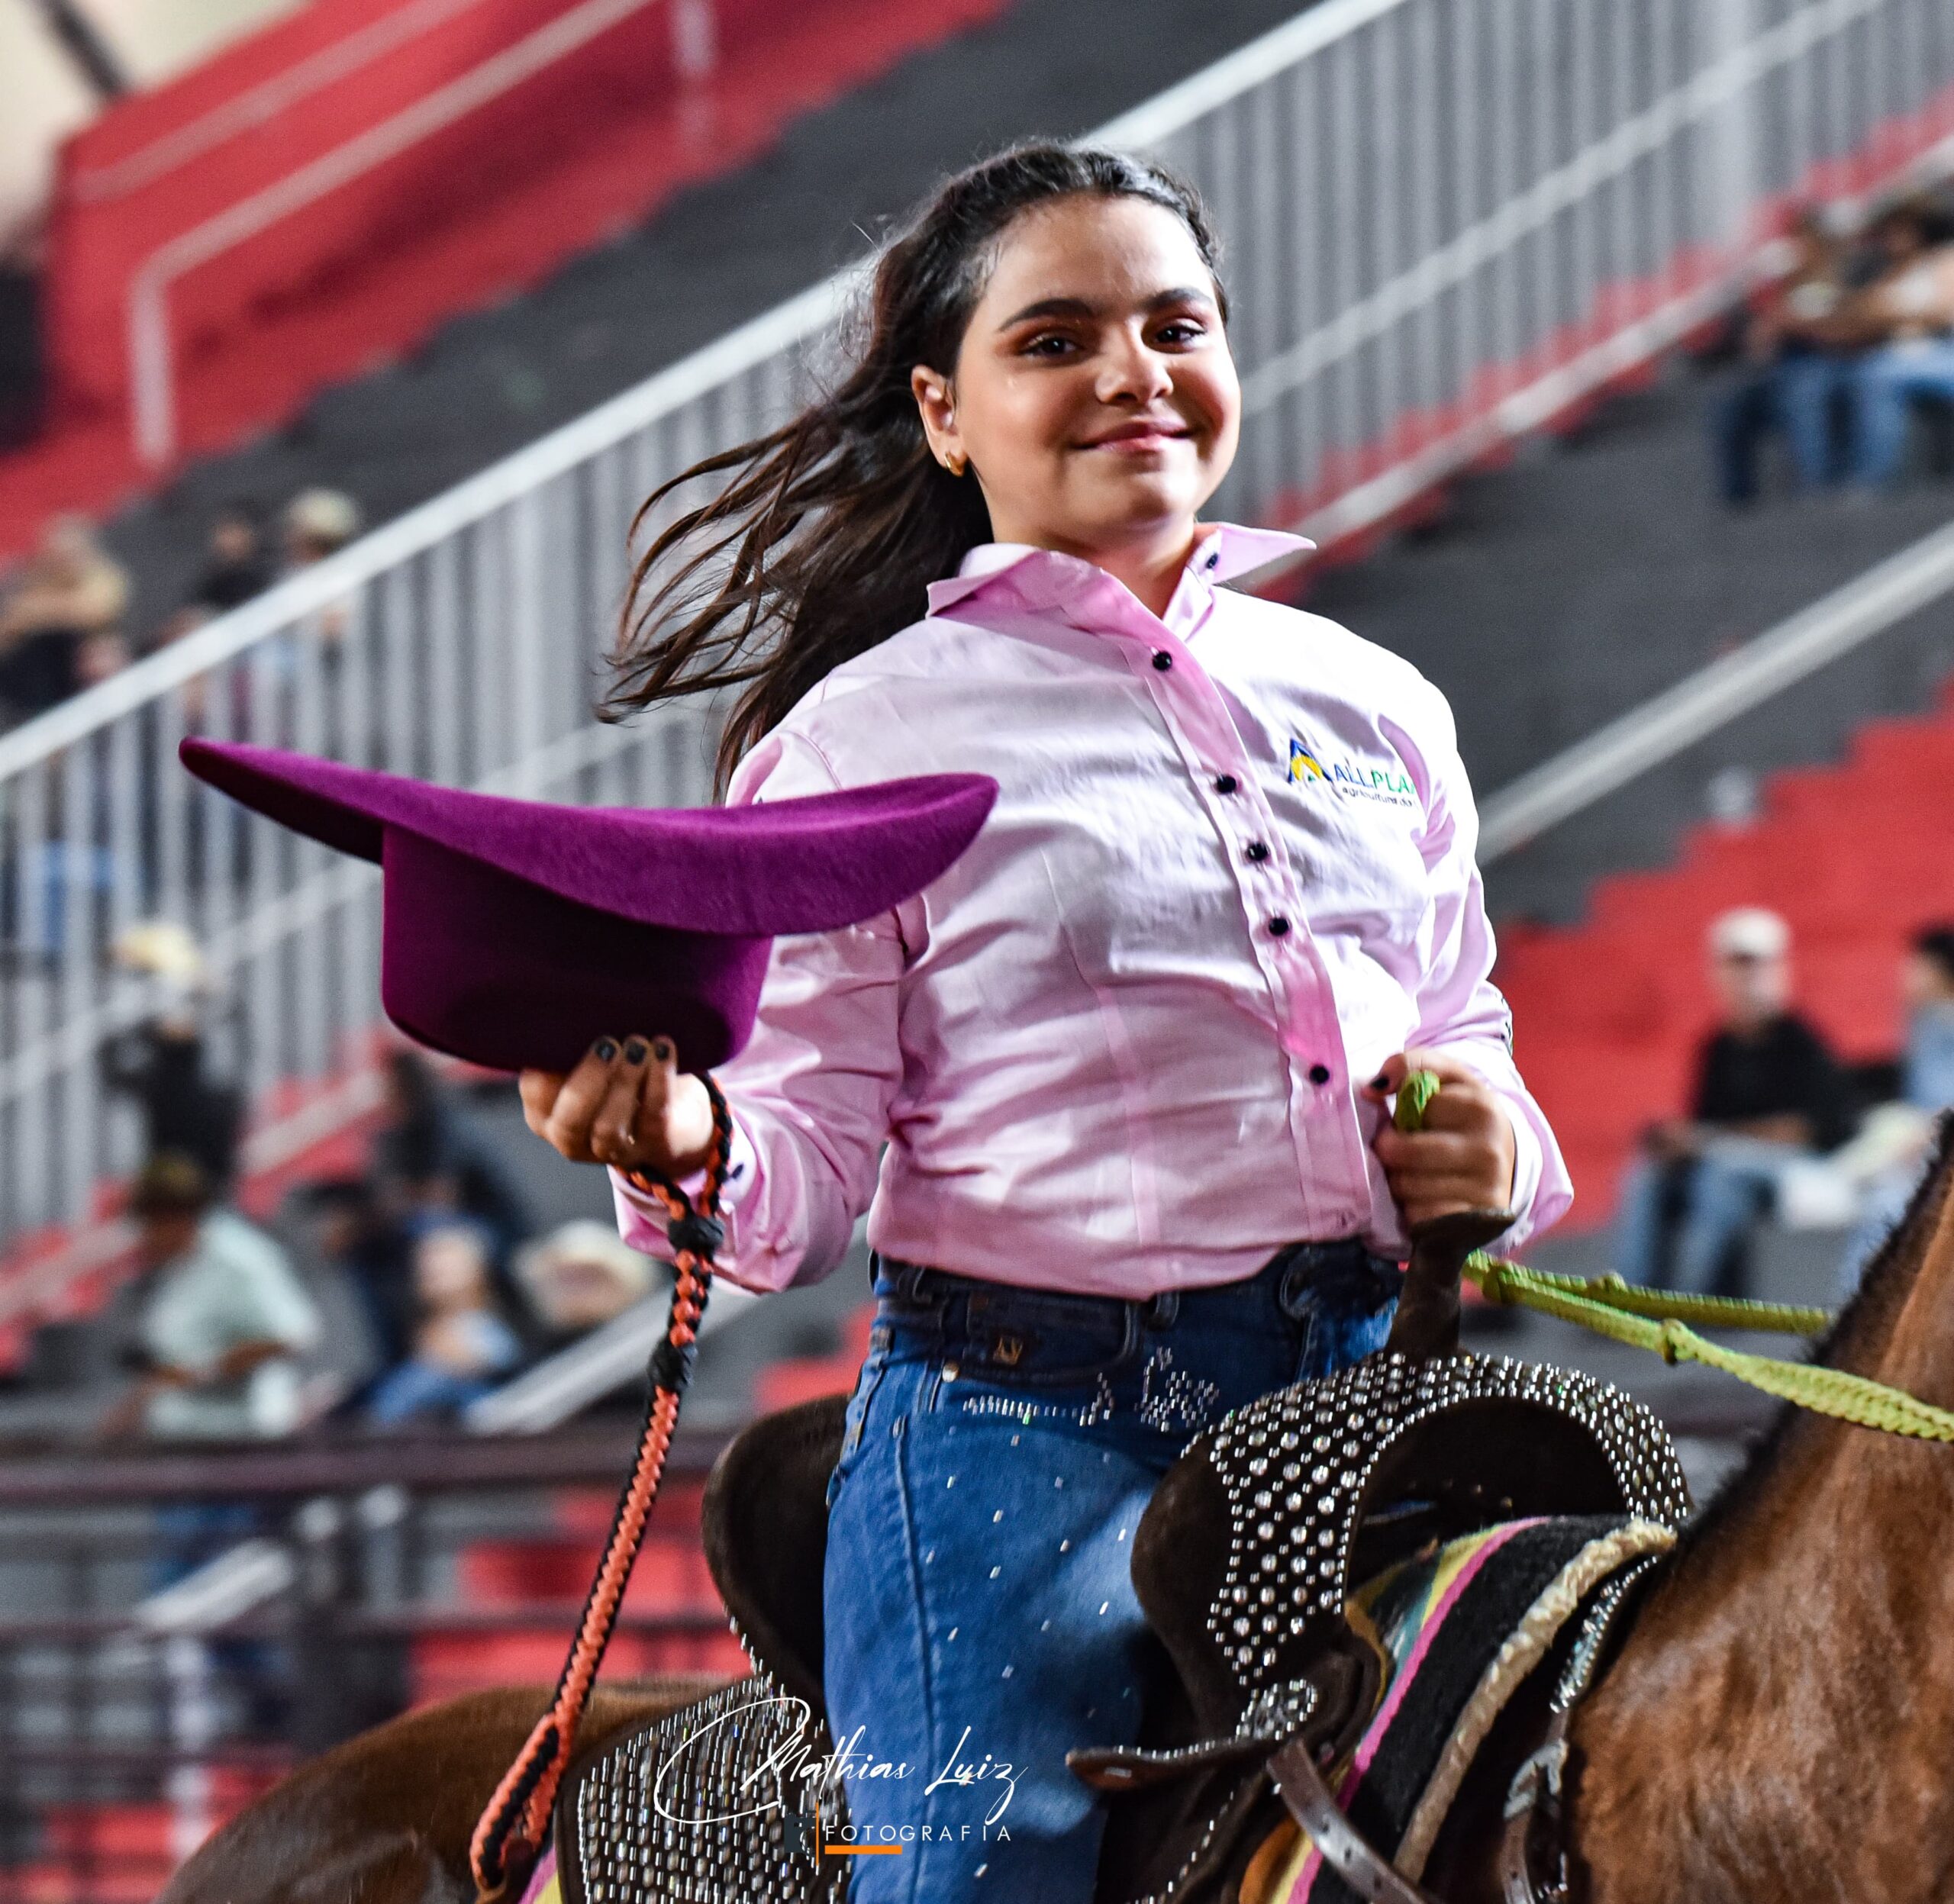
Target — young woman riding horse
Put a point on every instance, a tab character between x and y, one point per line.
1130	1057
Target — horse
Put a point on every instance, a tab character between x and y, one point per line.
1775	1723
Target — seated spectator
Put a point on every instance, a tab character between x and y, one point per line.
1768	1093
223	1318
1799	364
374	1251
1891	1151
61	623
461	1348
315	524
581	1276
162	1063
429	1157
318	523
238	566
1911	308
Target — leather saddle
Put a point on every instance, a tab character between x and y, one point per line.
764	1523
1242	1562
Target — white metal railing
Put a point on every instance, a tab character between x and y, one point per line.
1643	738
1446	219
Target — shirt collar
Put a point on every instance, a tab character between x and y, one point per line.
1222	551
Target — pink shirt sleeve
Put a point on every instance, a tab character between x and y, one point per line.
1461	1012
810	1094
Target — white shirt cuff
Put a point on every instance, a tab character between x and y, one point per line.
1529	1161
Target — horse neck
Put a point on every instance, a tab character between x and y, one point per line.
1778	1722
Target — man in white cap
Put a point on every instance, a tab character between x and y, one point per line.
1768	1093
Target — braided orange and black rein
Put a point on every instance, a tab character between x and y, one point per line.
510	1837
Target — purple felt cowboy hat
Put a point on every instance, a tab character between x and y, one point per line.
514	932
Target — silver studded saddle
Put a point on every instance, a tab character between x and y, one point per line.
1244	1562
1248	1557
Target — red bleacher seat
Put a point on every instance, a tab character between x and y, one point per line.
585	147
1854	856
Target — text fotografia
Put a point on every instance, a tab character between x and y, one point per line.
792	1762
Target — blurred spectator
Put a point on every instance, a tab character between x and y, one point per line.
373	1250
61	623
462	1347
1911	308
581	1275
1886	1158
1798	365
161	1063
318	523
222	1321
223	1318
429	1158
238	566
1768	1093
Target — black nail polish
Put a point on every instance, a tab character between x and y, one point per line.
634	1050
661	1048
606	1048
1381	1082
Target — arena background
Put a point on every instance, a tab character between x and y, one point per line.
430	292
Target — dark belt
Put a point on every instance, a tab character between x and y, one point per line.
1291	1275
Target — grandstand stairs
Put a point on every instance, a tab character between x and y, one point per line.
1591	571
1854	856
770	217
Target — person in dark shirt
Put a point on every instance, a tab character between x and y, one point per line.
429	1157
1768	1092
163	1062
238	566
61	621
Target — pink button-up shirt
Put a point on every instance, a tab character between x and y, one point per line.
1118	1047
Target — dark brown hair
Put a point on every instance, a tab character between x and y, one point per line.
827	532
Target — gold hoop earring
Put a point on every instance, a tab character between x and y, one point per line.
956	465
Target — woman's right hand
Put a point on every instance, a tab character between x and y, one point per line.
627	1104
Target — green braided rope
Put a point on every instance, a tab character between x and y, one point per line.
1713	1312
1658	1322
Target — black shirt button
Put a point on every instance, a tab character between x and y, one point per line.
1277	926
1256	850
1226	783
1319	1073
1163	660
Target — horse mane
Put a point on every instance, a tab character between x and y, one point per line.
1882	1290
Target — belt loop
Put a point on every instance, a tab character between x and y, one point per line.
1161	1309
1296	1277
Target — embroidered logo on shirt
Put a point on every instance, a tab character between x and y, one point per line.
1390	786
1304	765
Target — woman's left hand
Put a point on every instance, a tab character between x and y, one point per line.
1463	1157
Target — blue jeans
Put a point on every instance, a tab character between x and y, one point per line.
1884	389
1680	1219
415	1389
1795	394
1001	1444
